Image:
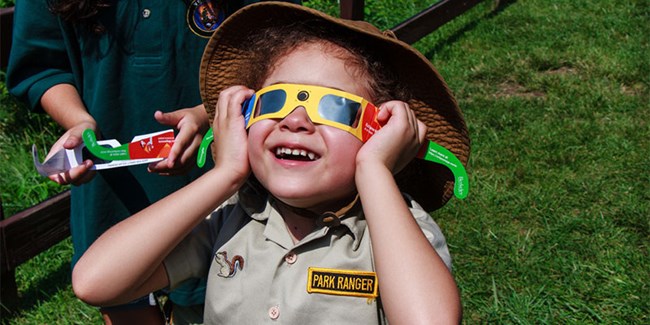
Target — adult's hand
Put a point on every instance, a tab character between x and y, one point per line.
191	123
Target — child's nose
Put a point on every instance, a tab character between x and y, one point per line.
298	120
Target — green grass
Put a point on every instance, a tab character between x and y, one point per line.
556	226
22	186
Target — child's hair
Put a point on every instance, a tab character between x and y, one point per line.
272	44
80	12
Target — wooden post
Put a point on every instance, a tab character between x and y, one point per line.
352	9
8	289
428	20
27	234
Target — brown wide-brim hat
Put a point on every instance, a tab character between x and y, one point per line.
430	184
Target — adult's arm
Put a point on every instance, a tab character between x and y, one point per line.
40	74
38	59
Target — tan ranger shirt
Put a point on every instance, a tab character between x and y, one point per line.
257	275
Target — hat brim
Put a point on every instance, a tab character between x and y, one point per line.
431	185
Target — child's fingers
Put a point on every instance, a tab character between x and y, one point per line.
418	127
398	116
422	131
230	102
229	130
400	137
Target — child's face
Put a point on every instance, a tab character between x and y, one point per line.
321	175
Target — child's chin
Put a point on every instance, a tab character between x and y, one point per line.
295	201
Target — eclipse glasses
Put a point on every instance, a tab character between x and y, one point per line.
325	106
337	109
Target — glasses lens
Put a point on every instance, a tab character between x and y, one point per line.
271	102
339	109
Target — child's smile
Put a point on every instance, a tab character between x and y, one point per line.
295	154
304	164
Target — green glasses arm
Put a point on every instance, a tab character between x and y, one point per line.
439	154
203	148
101	152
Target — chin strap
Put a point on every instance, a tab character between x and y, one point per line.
326	219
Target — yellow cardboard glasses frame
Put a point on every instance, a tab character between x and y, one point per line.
327	106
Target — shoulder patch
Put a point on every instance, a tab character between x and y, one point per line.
204	16
342	282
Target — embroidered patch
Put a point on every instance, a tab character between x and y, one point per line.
342	282
228	269
204	16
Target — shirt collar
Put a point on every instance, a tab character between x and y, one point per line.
257	203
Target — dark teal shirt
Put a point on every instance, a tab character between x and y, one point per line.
139	65
148	59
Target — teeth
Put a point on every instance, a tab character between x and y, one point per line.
280	151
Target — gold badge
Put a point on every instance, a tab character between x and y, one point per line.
342	282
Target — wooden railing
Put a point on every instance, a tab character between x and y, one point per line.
420	25
32	231
27	234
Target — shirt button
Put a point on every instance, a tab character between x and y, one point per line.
274	312
290	258
146	13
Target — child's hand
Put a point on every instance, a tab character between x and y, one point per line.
399	139
191	123
230	137
69	140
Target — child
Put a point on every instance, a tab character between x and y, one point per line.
296	195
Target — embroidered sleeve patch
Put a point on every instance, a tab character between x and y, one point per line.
342	282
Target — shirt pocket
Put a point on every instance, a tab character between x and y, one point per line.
148	35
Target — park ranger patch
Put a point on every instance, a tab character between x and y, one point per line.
342	282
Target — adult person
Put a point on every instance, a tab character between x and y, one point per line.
120	68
